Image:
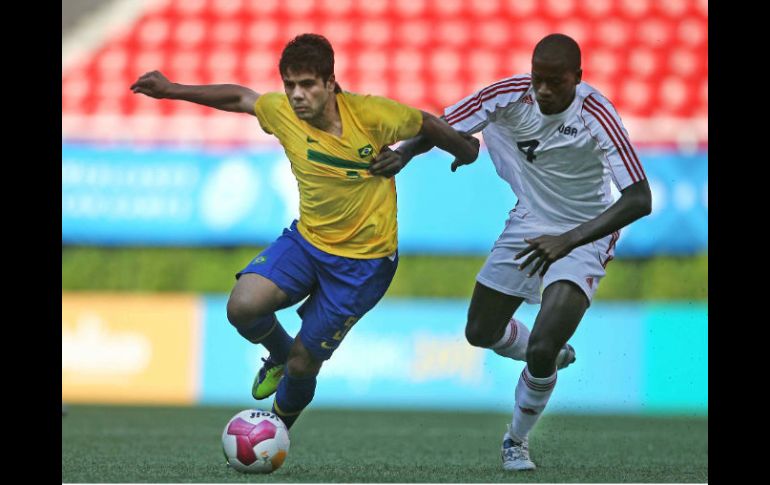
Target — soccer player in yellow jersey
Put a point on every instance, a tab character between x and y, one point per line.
342	252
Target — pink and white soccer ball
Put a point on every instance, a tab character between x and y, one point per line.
255	441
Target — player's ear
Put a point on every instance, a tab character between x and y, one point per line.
331	83
578	76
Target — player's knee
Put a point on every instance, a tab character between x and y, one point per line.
541	353
477	336
242	312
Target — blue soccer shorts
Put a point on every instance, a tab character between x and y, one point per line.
339	290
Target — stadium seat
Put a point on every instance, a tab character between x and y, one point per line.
649	57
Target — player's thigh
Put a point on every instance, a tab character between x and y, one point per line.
500	271
347	290
280	276
569	286
584	266
488	313
561	311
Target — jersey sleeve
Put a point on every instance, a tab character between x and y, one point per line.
389	120
266	109
604	124
474	112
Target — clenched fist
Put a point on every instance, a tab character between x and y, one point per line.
153	84
474	141
387	163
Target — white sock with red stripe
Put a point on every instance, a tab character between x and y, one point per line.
513	344
532	394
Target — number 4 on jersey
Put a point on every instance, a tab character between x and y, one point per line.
528	147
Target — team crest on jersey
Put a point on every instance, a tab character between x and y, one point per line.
527	99
364	152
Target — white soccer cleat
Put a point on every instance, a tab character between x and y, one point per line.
515	454
566	357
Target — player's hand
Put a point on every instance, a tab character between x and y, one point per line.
476	144
153	84
543	251
387	163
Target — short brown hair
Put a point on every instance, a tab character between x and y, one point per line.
308	53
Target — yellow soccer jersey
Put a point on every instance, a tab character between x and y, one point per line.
343	209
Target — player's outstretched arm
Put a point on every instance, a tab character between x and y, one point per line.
226	97
634	203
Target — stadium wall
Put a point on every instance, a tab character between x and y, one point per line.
406	353
129	196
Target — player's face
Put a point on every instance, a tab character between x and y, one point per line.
554	85
307	93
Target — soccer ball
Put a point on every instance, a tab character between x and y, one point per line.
255	441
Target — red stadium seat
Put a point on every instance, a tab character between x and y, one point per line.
649	57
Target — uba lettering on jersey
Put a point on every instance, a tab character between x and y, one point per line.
567	130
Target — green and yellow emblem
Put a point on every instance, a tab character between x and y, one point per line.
364	152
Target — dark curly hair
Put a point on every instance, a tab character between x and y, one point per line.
308	53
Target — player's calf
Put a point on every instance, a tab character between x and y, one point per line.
294	394
297	388
515	339
513	342
265	330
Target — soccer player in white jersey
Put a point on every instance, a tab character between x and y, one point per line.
559	143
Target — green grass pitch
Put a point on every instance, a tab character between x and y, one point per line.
109	444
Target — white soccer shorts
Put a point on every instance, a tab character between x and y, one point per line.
583	266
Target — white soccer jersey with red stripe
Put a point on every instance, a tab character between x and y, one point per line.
559	166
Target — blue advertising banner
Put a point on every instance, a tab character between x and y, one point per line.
413	354
160	196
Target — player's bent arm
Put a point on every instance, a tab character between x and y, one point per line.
634	203
440	134
225	97
419	145
413	147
